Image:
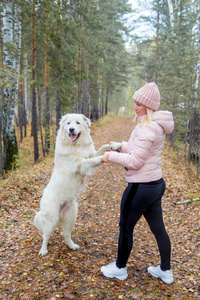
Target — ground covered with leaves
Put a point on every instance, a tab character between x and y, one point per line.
67	274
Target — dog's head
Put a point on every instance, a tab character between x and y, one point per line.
73	126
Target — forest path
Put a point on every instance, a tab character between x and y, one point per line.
66	274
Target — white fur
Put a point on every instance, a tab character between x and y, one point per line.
74	160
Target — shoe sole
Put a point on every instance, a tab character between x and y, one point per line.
157	276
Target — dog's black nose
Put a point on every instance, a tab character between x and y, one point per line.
71	129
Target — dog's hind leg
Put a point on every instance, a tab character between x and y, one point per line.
43	250
46	227
68	220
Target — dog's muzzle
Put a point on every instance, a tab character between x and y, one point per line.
73	136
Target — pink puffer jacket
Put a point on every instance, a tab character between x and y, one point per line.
141	156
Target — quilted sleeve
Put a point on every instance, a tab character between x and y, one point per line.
138	152
124	147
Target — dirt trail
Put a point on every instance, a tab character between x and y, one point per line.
66	274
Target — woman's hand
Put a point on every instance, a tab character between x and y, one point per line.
105	157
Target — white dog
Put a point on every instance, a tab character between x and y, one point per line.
75	158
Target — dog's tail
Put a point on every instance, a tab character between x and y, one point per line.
38	221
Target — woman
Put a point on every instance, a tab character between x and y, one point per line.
141	158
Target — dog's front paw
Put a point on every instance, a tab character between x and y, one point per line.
115	146
43	252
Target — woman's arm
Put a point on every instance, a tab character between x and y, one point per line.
124	147
138	152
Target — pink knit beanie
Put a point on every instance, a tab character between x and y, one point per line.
148	95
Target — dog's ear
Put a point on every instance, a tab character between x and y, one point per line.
87	121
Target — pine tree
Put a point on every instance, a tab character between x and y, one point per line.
34	104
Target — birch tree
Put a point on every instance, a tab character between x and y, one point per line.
11	32
1	91
171	12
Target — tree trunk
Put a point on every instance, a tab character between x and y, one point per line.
11	36
125	102
40	119
47	99
34	104
173	138
25	99
47	110
85	104
58	100
99	95
78	89
1	94
117	103
21	99
106	104
58	106
1	145
157	39
21	93
171	12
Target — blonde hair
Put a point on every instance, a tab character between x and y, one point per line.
147	120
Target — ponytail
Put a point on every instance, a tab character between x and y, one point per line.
147	119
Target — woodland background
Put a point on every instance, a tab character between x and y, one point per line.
84	56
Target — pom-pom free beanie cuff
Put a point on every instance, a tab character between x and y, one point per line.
148	96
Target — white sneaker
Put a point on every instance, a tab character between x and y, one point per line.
112	271
166	276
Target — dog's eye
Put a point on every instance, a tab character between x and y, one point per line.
68	123
78	123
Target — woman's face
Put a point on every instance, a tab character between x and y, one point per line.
140	109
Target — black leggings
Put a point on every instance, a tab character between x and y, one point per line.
143	199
